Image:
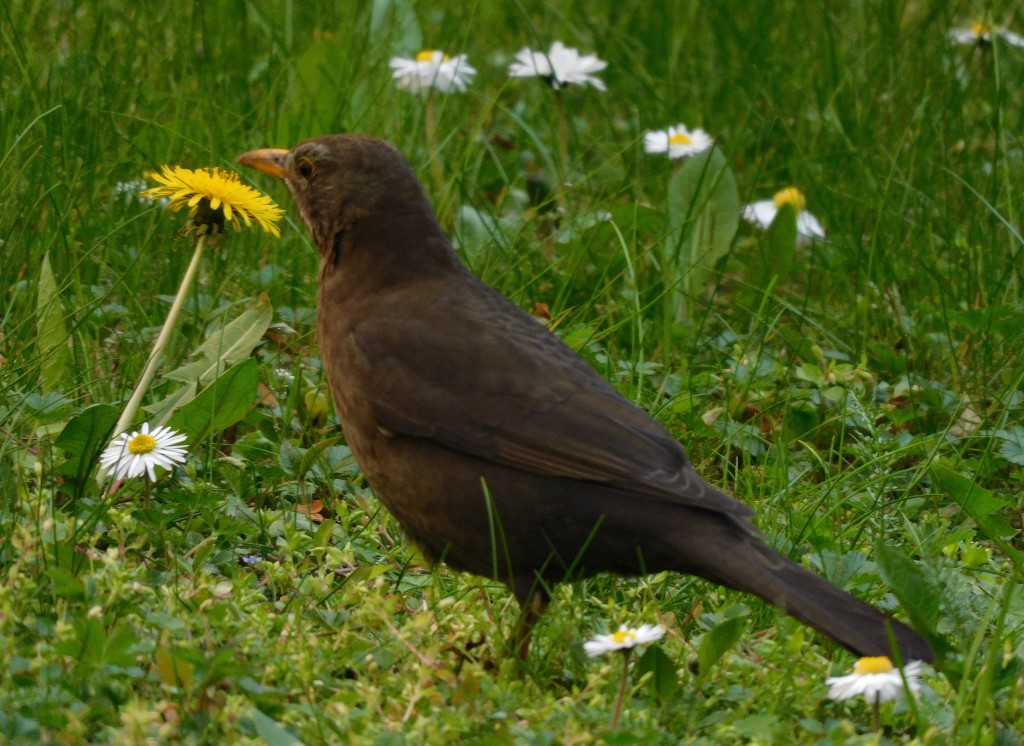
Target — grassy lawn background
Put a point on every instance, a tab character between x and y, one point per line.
867	402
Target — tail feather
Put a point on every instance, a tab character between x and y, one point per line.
859	627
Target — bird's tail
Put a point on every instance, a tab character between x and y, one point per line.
756	568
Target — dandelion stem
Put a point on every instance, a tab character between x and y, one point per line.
156	356
622	688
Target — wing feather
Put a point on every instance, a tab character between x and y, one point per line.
478	375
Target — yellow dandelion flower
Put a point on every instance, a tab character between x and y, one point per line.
214	196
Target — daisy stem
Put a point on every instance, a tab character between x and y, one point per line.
622	688
156	356
876	716
436	167
563	144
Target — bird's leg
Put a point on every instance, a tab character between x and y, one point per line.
533	601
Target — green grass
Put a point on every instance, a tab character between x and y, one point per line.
868	404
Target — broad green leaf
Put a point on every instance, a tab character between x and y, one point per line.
905	579
226	346
976	501
160	411
272	732
919	598
761	727
777	250
288	456
664	680
52	339
313	454
83	438
87	646
703	215
718	641
65	584
118	648
322	537
223	348
221	404
984	507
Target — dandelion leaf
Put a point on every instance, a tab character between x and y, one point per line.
221	404
224	347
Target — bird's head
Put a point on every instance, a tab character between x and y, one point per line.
350	188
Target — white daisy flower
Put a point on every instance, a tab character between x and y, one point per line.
625	639
136	454
561	66
677	141
981	33
876	679
763	212
433	69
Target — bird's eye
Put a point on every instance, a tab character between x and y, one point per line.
305	168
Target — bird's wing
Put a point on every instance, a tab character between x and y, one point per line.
474	373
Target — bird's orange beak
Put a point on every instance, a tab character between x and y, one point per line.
268	160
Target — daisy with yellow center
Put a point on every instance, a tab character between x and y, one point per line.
625	638
137	454
678	141
432	68
876	679
214	197
559	67
762	213
981	33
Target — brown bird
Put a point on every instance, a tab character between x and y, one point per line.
497	448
